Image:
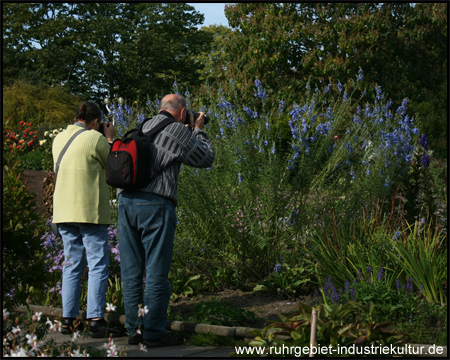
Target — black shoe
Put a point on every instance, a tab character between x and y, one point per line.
135	339
69	325
101	329
167	340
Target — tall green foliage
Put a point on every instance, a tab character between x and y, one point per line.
275	169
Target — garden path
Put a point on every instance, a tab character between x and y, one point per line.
132	351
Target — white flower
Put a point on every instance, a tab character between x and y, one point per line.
76	353
46	133
76	335
53	327
37	316
32	339
55	132
15	330
111	349
42	142
110	307
21	352
57	326
5	314
142	311
51	136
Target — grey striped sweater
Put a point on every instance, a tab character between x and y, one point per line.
176	145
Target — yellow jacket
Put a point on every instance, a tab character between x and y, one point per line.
81	192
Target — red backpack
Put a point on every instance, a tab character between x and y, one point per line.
129	164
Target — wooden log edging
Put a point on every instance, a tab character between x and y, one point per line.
117	319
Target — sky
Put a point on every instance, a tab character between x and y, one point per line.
214	13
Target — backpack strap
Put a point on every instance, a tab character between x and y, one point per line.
152	131
63	151
158	127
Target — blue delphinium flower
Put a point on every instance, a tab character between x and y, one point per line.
253	114
402	108
277	268
360	75
424	141
425	161
281	104
239	178
224	104
348	146
380	274
379	95
340	87
260	92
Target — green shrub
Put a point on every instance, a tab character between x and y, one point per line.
22	262
40	104
337	325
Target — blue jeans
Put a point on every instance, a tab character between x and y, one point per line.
84	242
146	231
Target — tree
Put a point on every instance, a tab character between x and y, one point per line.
214	58
399	46
131	50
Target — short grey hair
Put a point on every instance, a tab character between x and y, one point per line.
173	103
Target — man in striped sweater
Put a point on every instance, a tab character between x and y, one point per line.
147	222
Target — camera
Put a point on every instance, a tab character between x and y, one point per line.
102	127
196	115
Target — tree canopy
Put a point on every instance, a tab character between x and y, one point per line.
96	49
400	46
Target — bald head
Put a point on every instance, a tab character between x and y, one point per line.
175	105
173	102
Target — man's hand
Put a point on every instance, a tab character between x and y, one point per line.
200	122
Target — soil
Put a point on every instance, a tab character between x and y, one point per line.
35	182
266	307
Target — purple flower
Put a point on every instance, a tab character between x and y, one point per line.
397	284
260	92
425	161
424	142
360	74
380	274
239	178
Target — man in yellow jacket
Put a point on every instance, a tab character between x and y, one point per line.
82	212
